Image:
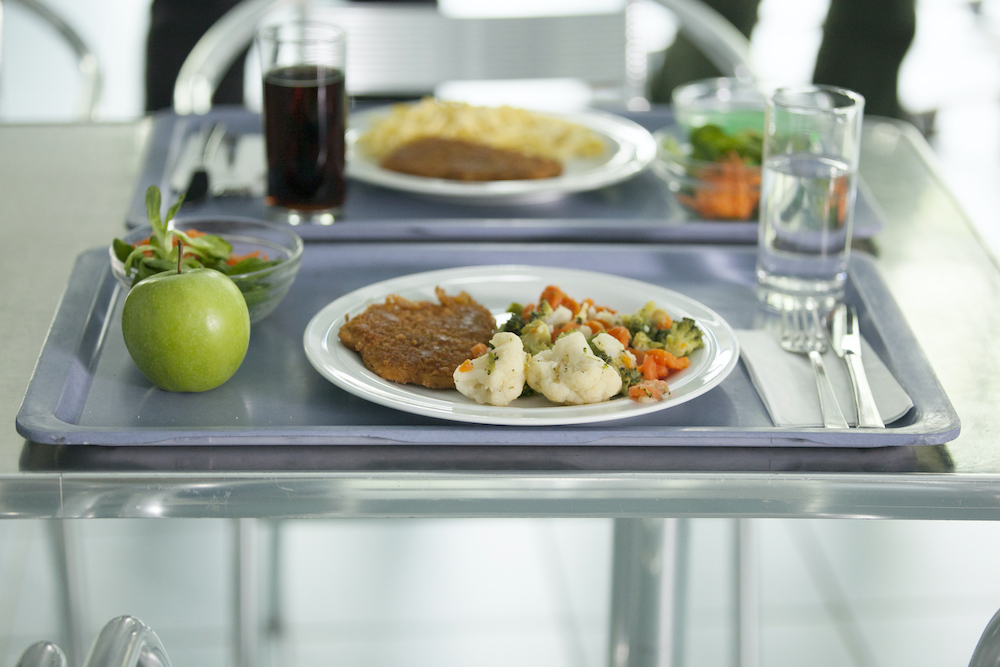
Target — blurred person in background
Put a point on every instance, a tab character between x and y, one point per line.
175	26
864	42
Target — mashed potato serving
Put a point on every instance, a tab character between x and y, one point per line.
503	127
578	353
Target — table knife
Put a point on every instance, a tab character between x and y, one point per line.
846	341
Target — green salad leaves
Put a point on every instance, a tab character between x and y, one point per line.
711	143
158	253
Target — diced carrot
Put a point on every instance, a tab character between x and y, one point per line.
553	295
569	326
465	366
657	364
236	259
623	335
649	367
596	326
731	192
663	321
667	360
638	354
479	349
527	311
648	391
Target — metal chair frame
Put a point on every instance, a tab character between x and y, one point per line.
90	70
212	56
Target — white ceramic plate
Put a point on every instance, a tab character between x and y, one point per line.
629	148
496	287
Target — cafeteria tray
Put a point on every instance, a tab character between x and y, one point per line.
86	391
640	209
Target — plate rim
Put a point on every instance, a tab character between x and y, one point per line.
636	151
321	344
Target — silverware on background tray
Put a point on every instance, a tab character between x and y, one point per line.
846	341
211	138
802	333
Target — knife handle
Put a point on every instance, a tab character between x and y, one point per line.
868	415
833	416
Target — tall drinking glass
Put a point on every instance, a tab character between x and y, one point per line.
302	63
812	138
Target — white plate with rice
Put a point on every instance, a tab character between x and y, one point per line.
623	149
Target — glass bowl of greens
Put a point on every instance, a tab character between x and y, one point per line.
710	156
713	174
729	103
262	258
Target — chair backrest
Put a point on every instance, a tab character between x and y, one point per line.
402	49
123	642
407	49
90	71
987	653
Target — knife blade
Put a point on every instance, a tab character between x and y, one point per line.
846	340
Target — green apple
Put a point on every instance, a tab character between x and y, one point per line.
186	331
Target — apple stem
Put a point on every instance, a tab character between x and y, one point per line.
180	254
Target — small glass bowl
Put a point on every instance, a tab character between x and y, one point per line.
706	190
263	290
732	104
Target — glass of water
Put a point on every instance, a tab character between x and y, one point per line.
812	138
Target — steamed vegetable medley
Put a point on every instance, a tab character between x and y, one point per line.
577	353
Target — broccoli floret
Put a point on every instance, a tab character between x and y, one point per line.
642	342
536	336
516	322
647	319
683	338
544	310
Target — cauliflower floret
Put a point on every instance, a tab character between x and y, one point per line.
614	350
570	372
558	317
623	360
496	377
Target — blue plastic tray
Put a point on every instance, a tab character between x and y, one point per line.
86	390
641	209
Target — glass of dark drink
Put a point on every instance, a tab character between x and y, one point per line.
304	116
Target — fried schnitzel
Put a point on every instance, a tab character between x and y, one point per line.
418	342
459	160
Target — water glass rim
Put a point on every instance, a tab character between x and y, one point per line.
843	100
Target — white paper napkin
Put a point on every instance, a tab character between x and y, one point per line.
787	385
247	170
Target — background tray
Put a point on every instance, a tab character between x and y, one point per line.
639	209
86	390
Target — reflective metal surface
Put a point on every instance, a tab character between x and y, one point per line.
127	642
43	654
66	188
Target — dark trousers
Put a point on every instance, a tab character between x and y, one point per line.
175	26
863	45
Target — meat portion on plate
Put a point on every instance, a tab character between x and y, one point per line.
459	160
418	342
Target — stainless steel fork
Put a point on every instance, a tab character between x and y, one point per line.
802	333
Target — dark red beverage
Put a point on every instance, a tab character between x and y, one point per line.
304	111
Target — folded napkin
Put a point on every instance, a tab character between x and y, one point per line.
787	385
245	172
